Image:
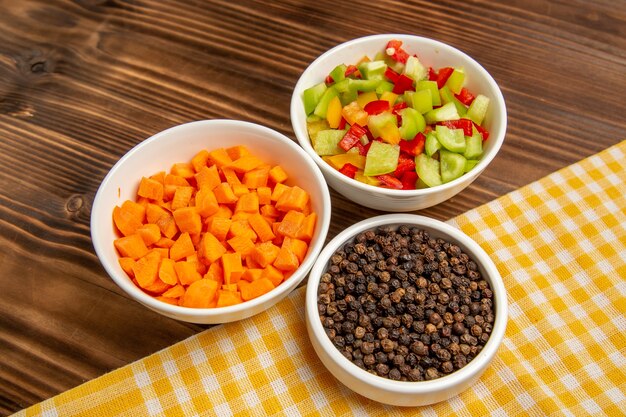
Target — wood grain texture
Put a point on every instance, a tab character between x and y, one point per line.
81	82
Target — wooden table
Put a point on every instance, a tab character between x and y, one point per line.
81	82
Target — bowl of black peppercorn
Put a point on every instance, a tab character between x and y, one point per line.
405	310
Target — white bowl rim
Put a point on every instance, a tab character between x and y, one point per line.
303	137
473	368
286	286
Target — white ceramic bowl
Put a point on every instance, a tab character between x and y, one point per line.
180	144
431	53
385	390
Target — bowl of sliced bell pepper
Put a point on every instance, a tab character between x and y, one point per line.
398	122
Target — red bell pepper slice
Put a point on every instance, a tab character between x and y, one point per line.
408	180
363	148
465	124
396	108
349	170
329	80
432	75
376	107
342	124
368	133
465	96
352	136
405	163
352	69
413	147
399	54
443	75
403	84
391	75
482	131
389	181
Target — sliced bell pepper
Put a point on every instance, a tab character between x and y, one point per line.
408	180
432	75
397	53
482	131
389	181
349	170
396	108
352	136
413	147
342	124
405	163
391	75
352	70
376	107
465	124
403	84
465	96
443	75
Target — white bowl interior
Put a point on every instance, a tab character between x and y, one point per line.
431	53
180	144
385	390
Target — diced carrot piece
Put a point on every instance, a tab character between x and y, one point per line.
167	273
297	246
125	221
159	176
231	264
261	227
142	201
210	249
241	244
256	178
164	242
215	272
246	163
168	300
170	183
250	263
182	248
242	227
206	202
265	254
175	292
240	189
251	274
188	220
182	196
286	260
199	160
195	260
163	252
168	227
307	228
146	269
307	209
150	233
241	215
157	287
219	157
131	246
224	194
295	199
231	287
151	189
186	272
269	210
127	266
278	174
278	191
291	223
200	293
223	212
228	298
219	227
236	152
256	289
154	213
231	176
248	202
273	274
208	177
183	169
278	240
265	195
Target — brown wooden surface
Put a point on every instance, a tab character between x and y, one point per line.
83	81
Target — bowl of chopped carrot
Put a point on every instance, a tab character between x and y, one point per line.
211	221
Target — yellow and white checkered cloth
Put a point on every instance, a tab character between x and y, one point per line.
560	244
